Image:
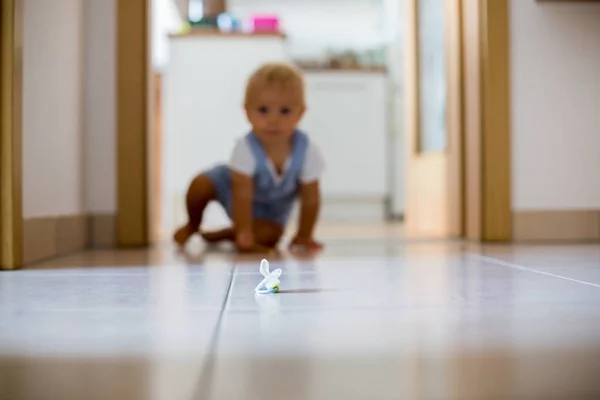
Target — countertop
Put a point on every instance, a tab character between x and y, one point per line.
217	33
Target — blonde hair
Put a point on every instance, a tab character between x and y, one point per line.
280	75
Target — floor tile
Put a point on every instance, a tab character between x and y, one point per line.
132	288
580	262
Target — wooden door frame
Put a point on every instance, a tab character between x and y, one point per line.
496	150
486	111
11	133
133	97
483	118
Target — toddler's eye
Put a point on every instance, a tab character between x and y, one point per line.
263	110
285	111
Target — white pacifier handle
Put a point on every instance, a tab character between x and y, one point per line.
264	268
271	278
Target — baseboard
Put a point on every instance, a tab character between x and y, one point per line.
348	209
556	225
351	209
49	237
102	231
39	239
71	234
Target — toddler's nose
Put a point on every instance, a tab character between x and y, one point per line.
273	121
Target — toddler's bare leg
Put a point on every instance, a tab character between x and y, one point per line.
266	235
227	234
200	193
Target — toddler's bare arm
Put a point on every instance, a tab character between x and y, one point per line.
310	204
242	210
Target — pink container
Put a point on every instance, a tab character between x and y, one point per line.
265	23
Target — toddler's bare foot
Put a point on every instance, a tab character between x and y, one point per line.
183	234
260	249
219	236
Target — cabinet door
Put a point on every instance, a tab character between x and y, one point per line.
346	118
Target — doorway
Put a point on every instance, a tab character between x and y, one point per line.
438	180
345	103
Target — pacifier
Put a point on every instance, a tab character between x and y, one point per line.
270	284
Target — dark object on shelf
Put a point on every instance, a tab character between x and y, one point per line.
205	22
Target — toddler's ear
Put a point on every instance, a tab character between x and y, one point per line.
247	110
302	111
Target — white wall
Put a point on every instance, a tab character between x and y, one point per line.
69	123
100	109
555	56
165	20
52	108
181	6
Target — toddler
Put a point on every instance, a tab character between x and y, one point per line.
270	168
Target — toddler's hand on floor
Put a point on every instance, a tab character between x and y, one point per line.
305	245
244	241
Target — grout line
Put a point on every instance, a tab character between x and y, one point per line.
204	387
496	261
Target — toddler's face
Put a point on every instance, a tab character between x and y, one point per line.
274	113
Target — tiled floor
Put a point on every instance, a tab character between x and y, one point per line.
374	317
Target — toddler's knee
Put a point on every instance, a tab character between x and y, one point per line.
201	188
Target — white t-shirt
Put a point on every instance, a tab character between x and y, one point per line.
242	161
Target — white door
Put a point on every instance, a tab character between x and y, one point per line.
433	119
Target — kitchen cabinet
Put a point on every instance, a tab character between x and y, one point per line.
347	117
